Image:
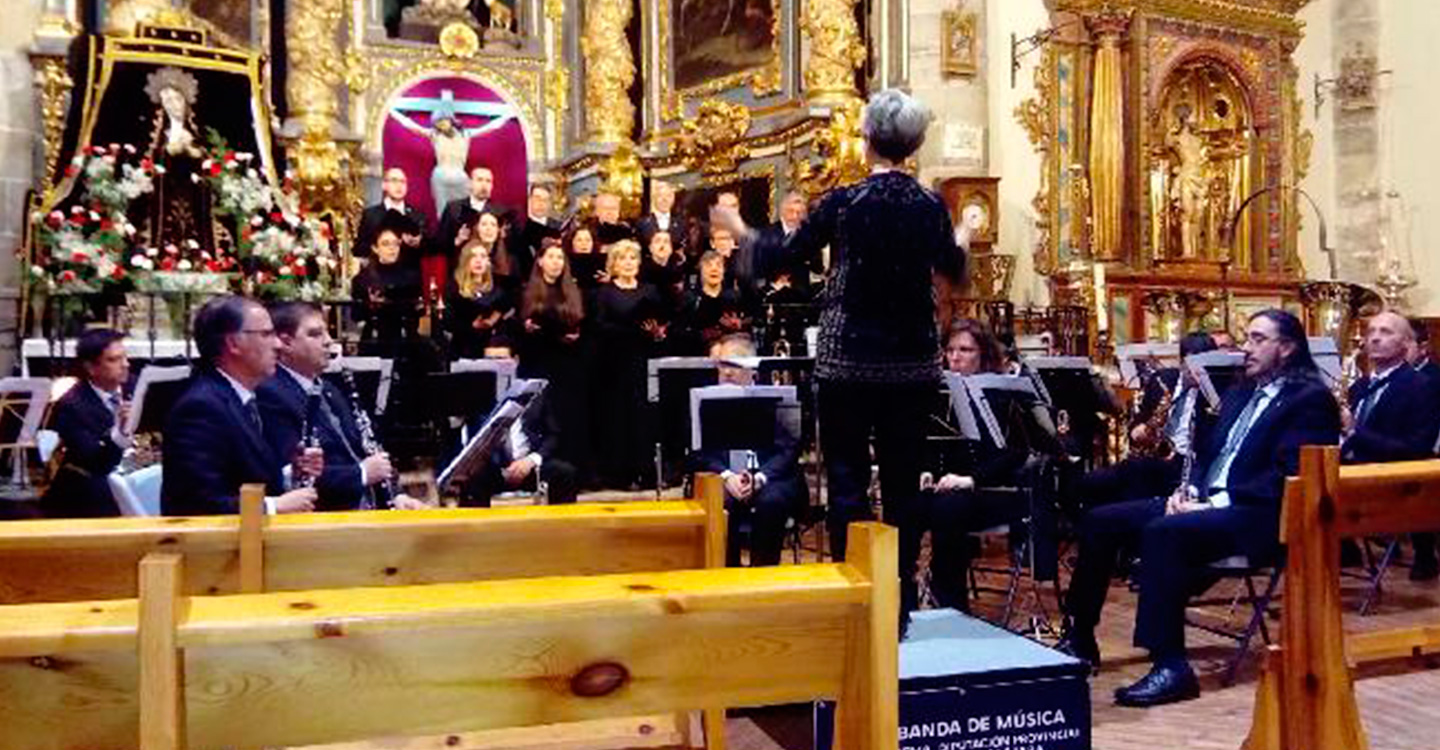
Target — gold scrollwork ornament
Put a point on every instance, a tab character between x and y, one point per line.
55	86
624	175
714	141
841	150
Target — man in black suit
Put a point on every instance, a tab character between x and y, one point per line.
1229	505
458	218
524	458
525	242
775	272
392	211
662	217
90	420
767	495
1142	475
297	396
1393	414
214	437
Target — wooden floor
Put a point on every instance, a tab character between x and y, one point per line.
1399	701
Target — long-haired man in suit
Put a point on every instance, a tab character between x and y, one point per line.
1228	505
90	420
214	436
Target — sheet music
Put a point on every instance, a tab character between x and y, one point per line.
151	374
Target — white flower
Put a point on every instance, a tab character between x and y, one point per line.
140	261
256	221
252	174
129	149
152	251
37	271
129	229
94	216
159	169
205	165
192	244
195	178
284	270
183	265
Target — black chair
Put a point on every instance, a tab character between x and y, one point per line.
1240	568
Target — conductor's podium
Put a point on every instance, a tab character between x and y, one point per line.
965	683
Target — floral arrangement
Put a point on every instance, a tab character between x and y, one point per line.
281	250
83	250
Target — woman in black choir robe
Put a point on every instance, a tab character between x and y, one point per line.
629	324
586	264
387	299
475	305
712	310
549	347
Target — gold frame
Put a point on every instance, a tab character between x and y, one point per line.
763	80
954	23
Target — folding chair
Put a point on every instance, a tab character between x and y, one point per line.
1240	567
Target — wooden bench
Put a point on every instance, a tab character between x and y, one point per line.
81	560
1305	699
340	665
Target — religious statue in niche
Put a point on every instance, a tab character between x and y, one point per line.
423	20
450	179
1203	168
179	209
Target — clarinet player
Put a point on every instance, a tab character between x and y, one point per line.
297	400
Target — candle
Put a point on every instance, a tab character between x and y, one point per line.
1102	307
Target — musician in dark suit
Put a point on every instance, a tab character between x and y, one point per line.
214	437
297	397
1151	471
523	458
1229	505
1393	414
90	420
457	220
392	211
767	496
525	241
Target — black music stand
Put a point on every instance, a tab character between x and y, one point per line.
668	385
156	391
373	376
1067	384
1216	372
474	456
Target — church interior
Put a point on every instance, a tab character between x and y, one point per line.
529	332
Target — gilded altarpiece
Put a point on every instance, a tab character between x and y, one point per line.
1209	116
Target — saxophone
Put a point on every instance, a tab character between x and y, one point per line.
390	488
1156	444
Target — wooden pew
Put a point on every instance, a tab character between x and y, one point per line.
323	666
78	560
1305	699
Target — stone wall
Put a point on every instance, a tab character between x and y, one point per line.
19	144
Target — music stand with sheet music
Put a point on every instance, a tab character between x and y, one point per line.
990	395
23	402
1129	357
741	417
1216	372
475	455
668	383
472	387
373	376
156	391
1068	384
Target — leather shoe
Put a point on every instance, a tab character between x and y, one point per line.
1424	568
1081	646
1164	684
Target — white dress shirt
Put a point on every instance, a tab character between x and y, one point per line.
1221	498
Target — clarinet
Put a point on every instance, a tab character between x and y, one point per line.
309	435
390	488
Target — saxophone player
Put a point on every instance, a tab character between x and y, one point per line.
286	405
1171	412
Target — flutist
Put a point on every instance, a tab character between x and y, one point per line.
90	419
297	399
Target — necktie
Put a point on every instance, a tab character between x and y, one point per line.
1234	439
1372	395
252	410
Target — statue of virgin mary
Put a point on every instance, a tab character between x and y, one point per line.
179	209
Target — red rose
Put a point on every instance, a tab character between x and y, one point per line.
276	216
106	225
215	169
300	270
229	156
71	170
79	257
54	220
167	265
147	164
67	277
118	273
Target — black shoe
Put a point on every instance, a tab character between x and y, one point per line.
1082	646
1162	685
1424	569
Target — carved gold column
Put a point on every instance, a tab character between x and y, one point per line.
1107	138
557	76
609	71
318	64
835	51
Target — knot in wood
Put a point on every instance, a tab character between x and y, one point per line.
600	679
